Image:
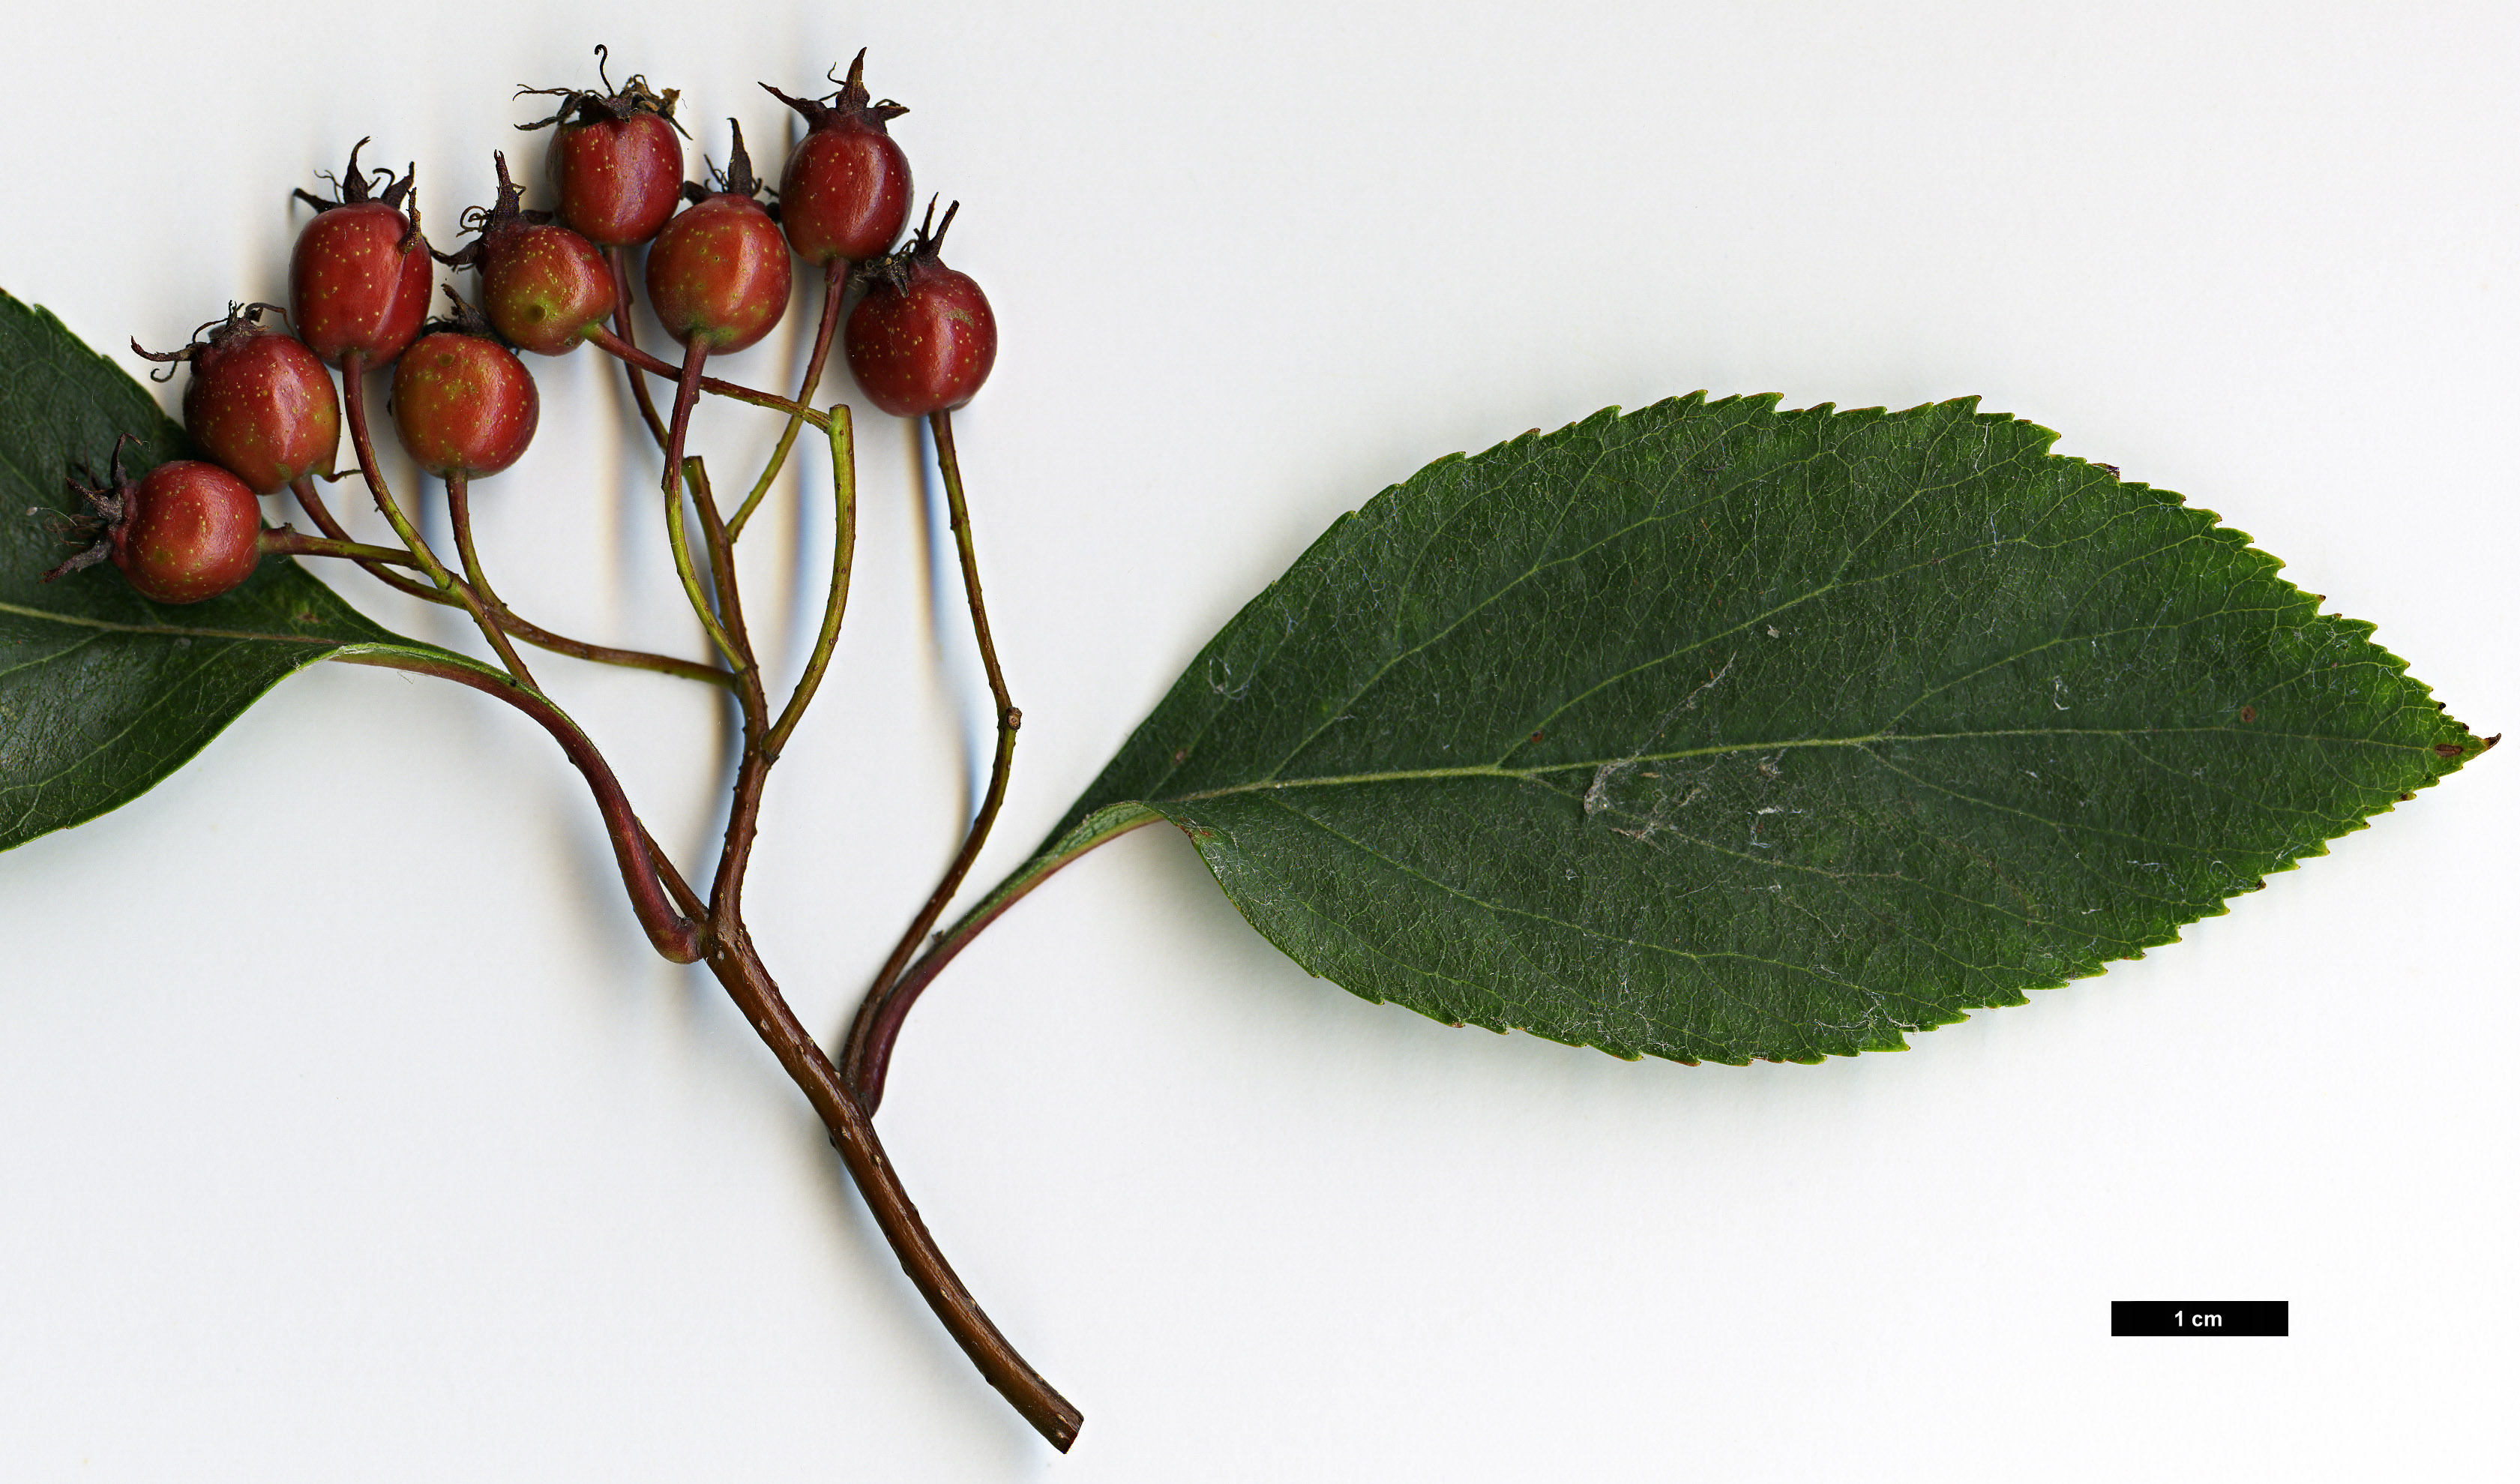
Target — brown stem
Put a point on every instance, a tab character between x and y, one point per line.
531	633
749	984
835	283
685	898
651	880
459	514
744	815
619	258
612	344
684	940
1009	719
740	970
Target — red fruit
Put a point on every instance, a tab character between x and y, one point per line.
359	278
190	531
543	287
845	192
616	164
259	402
719	271
465	404
186	531
922	339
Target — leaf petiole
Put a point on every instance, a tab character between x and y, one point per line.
1000	764
868	1053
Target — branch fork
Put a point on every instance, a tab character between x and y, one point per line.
685	924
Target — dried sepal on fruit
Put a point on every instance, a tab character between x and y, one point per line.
616	164
360	275
259	403
543	287
719	271
184	532
924	337
845	192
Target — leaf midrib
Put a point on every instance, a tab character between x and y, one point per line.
1492	770
167	630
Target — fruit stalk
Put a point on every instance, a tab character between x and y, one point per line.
288	542
531	633
1001	765
644	868
619	258
753	772
458	513
835	283
354	402
844	542
611	345
676	536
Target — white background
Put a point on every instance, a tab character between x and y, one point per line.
349	1129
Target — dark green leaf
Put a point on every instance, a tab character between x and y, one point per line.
1715	731
102	692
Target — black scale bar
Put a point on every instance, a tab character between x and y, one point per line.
2186	1317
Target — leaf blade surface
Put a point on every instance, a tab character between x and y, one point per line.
1714	732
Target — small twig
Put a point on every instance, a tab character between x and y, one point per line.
612	344
1000	765
853	1134
835	283
459	510
644	869
844	542
531	633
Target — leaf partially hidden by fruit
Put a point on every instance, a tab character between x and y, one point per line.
1720	733
102	691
